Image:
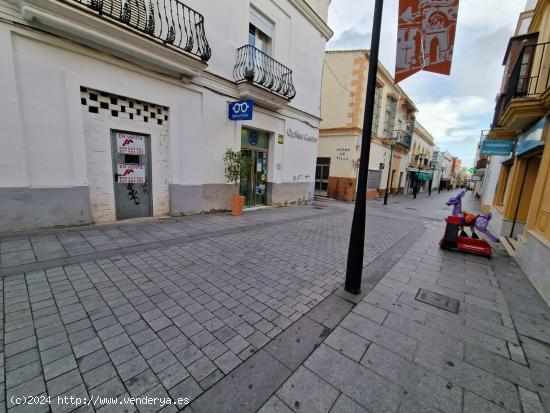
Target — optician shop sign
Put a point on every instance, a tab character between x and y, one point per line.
491	147
241	110
294	134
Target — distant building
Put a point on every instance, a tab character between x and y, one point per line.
420	171
342	106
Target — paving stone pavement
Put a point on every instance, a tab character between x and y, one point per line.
392	353
170	320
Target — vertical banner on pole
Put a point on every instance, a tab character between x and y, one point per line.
425	37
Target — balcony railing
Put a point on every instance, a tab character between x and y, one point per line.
404	138
529	78
256	67
169	21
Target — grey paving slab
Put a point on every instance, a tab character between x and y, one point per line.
386	337
420	383
307	392
293	346
228	396
355	381
487	385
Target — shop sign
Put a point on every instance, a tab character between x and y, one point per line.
531	139
343	154
130	144
280	139
130	173
253	139
294	134
241	110
496	147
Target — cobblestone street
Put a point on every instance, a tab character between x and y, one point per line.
232	313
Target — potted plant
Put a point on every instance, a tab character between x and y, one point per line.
237	165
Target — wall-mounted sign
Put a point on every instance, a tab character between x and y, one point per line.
130	173
342	154
130	144
491	147
280	139
381	166
294	134
241	110
531	139
253	139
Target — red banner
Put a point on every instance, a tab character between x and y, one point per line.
425	37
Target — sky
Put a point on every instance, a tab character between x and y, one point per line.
455	108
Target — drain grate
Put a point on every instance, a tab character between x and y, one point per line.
438	300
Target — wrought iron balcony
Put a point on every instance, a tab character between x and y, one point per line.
529	78
170	21
254	66
404	138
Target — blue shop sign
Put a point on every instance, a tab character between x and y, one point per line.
531	139
253	139
493	147
241	110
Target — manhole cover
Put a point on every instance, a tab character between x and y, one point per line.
438	300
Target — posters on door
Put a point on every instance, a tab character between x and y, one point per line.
130	144
131	173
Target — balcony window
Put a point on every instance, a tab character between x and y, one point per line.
260	32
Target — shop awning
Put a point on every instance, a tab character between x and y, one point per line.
424	176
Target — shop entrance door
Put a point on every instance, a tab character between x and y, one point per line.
322	171
255	145
131	153
253	186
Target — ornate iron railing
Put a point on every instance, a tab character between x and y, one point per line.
169	21
256	67
529	78
404	138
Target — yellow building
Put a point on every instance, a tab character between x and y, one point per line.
342	106
419	169
521	205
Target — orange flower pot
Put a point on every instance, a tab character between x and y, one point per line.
237	205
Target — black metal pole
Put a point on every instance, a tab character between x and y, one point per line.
357	238
389	172
431	182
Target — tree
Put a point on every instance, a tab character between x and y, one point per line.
237	165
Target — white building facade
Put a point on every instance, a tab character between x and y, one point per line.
119	109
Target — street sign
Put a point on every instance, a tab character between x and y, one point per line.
241	110
492	147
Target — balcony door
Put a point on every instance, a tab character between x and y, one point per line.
260	32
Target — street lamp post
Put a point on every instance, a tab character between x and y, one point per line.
419	158
354	270
392	142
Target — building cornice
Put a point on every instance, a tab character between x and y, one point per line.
313	18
